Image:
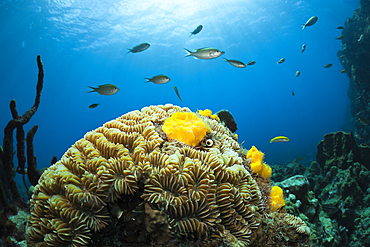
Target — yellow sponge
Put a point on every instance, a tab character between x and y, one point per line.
185	127
277	198
257	164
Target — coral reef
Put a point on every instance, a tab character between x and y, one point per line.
355	58
128	184
10	201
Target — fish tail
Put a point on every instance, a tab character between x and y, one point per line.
303	26
225	59
148	80
93	89
129	50
189	52
191	34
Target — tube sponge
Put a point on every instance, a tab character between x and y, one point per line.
277	198
185	127
257	164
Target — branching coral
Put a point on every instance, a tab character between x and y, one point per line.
202	195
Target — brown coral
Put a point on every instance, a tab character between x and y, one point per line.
206	193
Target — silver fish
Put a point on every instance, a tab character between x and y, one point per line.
205	53
360	38
106	89
235	63
303	48
310	22
139	48
282	60
158	79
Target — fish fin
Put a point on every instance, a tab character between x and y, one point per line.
191	33
129	50
148	80
189	52
303	26
93	89
226	60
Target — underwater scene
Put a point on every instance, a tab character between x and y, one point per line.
185	123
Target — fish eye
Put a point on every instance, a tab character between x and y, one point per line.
209	142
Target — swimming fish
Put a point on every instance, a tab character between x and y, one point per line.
235	63
328	65
293	93
310	22
363	120
177	92
303	48
251	62
359	136
340	27
106	89
297	73
139	48
343	71
205	53
197	30
93	105
301	158
360	38
342	56
279	139
282	60
340	37
158	79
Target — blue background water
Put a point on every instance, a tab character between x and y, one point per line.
83	43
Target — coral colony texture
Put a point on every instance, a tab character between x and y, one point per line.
162	176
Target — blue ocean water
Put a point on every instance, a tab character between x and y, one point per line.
84	43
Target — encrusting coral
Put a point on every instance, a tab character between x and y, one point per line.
128	184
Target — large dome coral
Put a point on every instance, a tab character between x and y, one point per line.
127	184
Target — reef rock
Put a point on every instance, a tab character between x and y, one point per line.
128	184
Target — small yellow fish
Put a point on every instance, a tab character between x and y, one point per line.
177	92
343	71
297	73
251	62
106	89
363	120
282	60
328	65
340	37
93	105
280	139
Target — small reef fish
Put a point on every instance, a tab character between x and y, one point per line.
361	36
158	79
280	139
359	136
282	60
310	22
251	62
343	71
297	73
235	63
293	93
363	120
328	65
177	92
205	53
340	27
303	48
106	89
342	56
301	158
340	37
93	105
139	48
197	30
